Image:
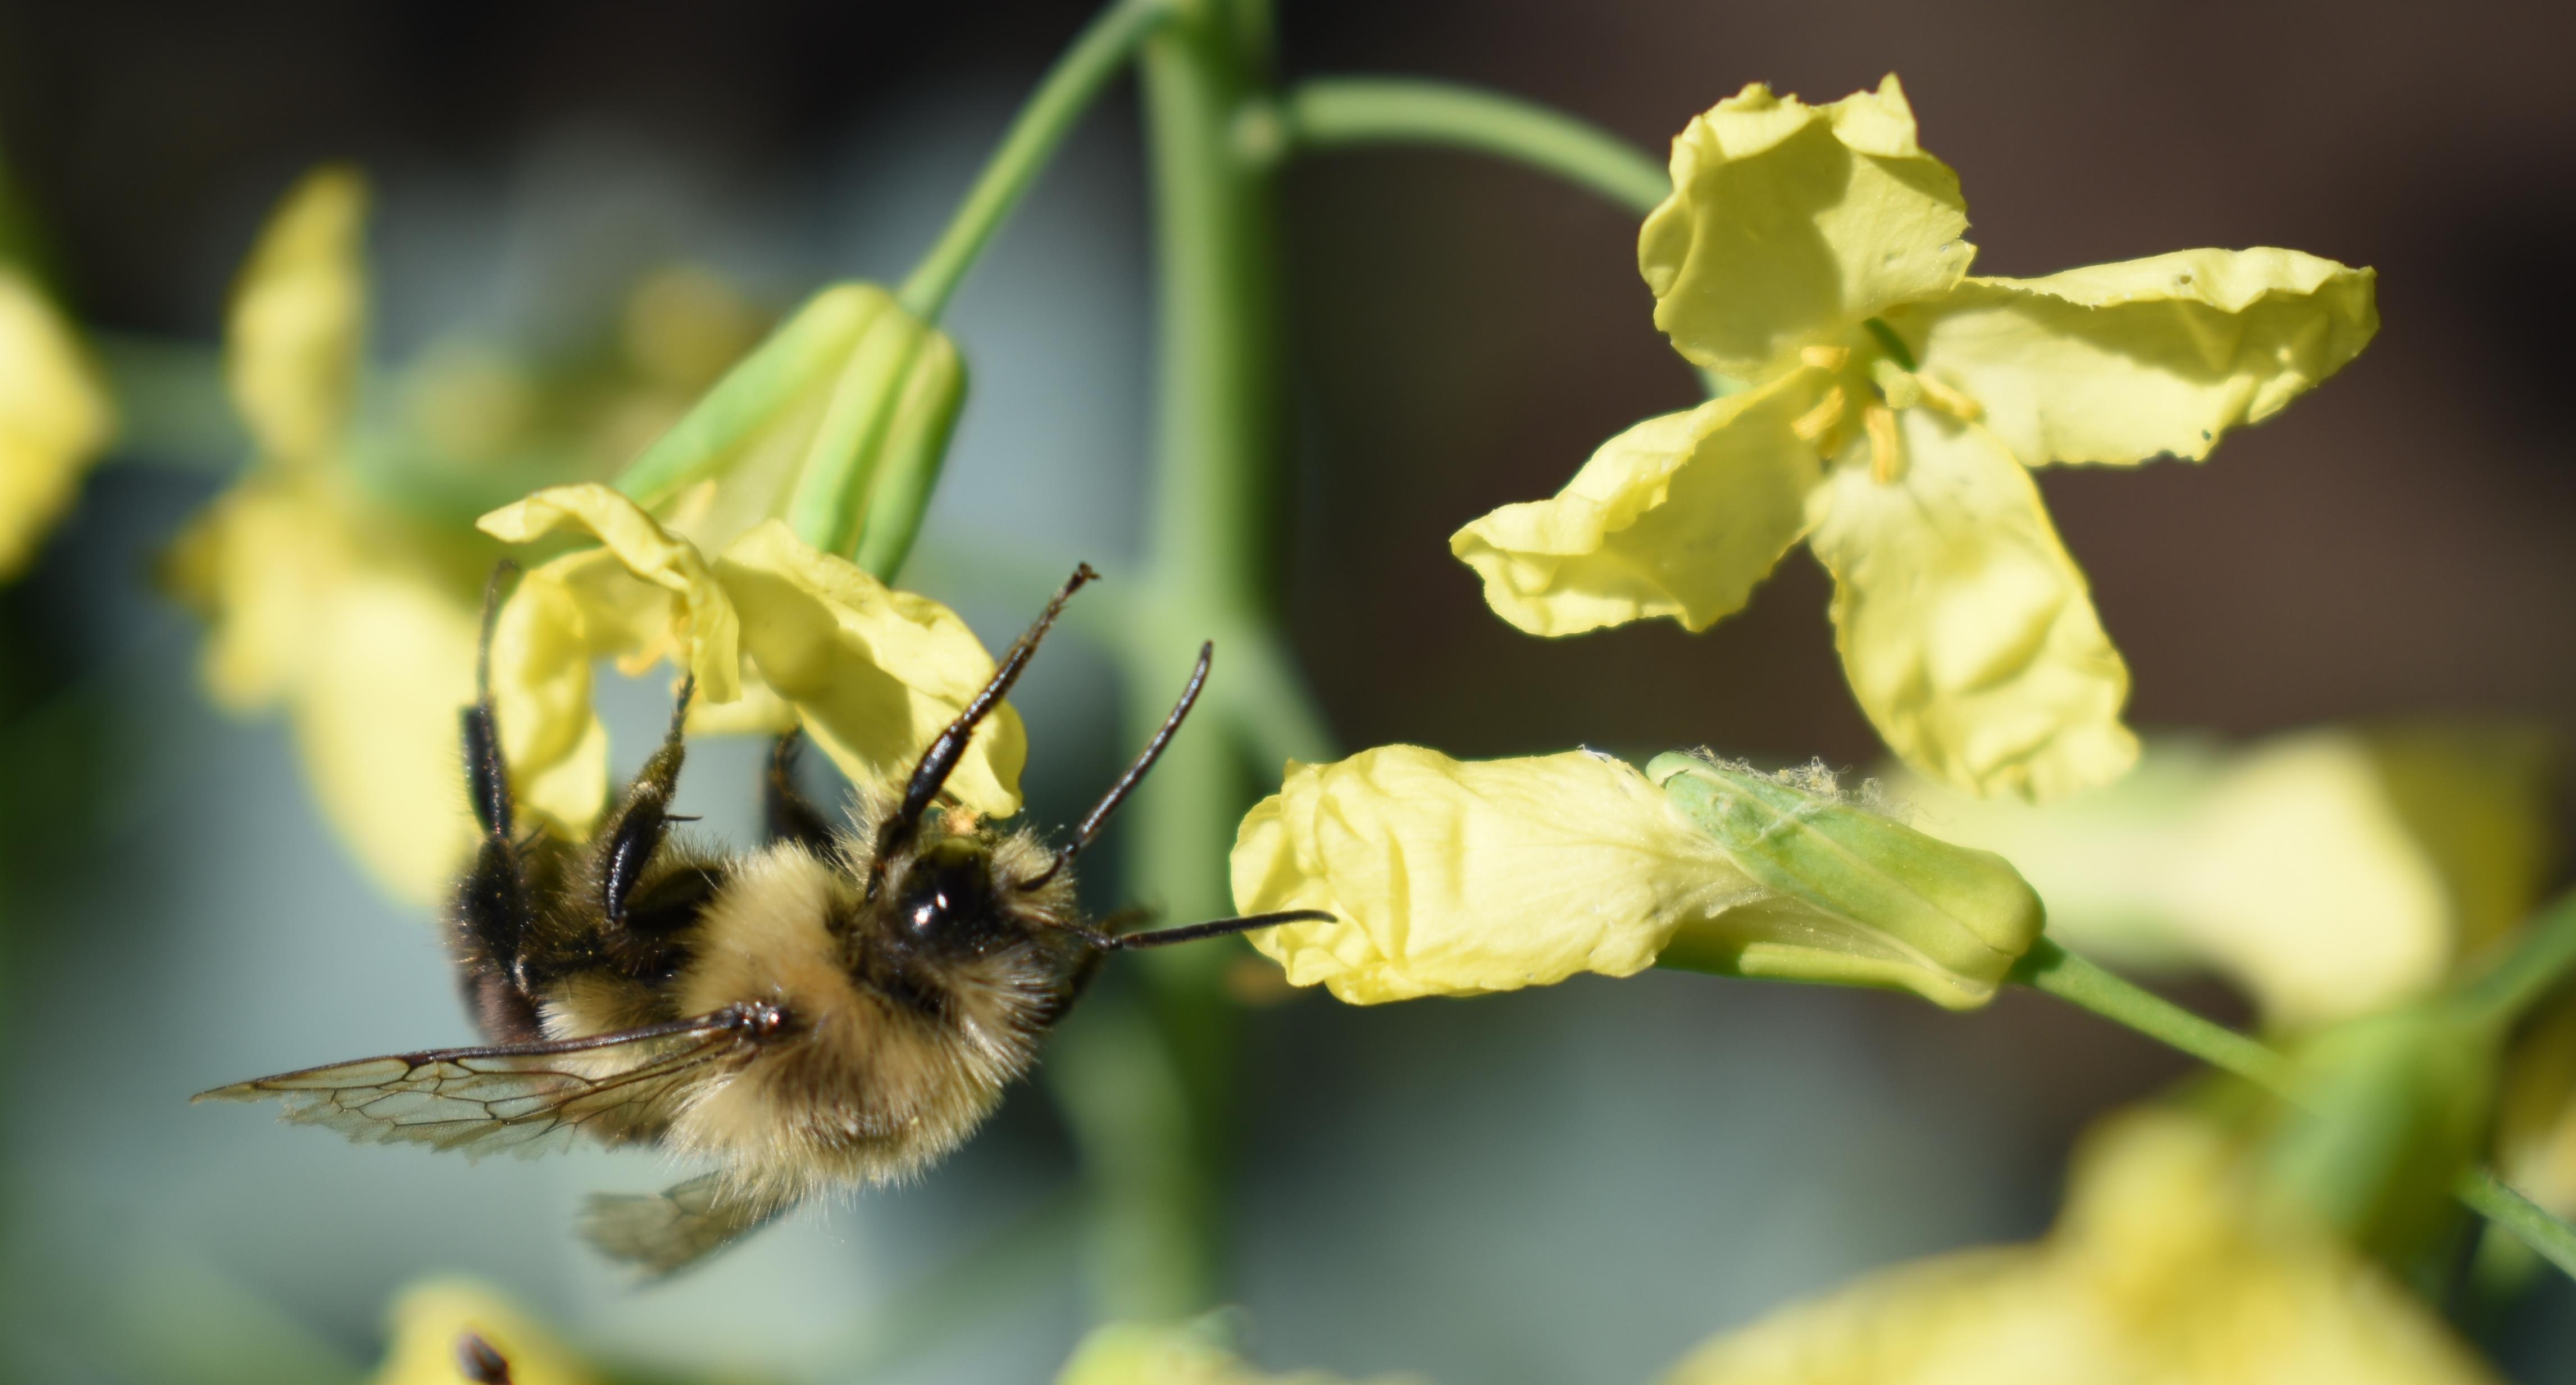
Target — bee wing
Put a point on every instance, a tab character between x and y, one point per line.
524	1098
669	1231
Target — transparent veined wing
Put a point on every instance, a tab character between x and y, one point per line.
669	1231
524	1098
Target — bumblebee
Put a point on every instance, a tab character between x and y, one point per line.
839	1008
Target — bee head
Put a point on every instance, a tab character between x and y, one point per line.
946	902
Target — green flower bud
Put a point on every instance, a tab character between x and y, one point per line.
1857	899
837	423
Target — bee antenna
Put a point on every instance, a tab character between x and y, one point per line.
502	572
1108	804
940	760
1214	928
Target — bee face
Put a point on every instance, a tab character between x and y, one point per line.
948	905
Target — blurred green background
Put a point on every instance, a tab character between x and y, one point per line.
1564	1185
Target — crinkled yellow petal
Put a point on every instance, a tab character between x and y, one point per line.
561	618
1457	878
429	1319
1184	1353
2330	873
361	627
2161	1271
1967	633
702	625
1789	224
1679	516
2161	356
53	419
294	341
875	673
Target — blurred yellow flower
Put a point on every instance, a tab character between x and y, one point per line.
1894	405
2330	873
1459	878
355	620
54	418
431	1323
1186	1353
2166	1268
777	634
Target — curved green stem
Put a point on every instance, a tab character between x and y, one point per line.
1340	112
1067	90
2544	957
2051	968
2488	1196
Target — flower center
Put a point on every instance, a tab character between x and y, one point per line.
1881	378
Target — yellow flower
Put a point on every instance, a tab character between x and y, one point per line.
2330	873
355	620
431	1323
776	633
1186	1353
1894	404
1453	878
2164	1269
53	419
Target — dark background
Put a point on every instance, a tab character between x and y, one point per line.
1570	1185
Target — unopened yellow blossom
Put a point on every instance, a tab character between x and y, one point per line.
777	634
2166	1268
53	419
1457	878
354	619
1197	1352
1894	404
2331	873
437	1324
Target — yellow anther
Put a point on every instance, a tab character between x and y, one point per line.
1948	400
1820	420
1825	357
1886	445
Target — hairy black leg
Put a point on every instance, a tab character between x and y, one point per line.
492	906
644	818
788	814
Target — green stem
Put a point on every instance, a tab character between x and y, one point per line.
2542	959
2488	1196
1067	90
2051	968
1340	112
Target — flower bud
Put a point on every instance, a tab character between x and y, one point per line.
1858	898
837	423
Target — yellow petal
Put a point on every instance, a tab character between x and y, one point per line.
560	619
1966	631
1791	223
1456	878
876	673
361	627
429	1319
293	343
702	625
1679	516
2161	1271
2160	356
53	419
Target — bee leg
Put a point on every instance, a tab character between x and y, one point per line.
790	816
644	818
492	907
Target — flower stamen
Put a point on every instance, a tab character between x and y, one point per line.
1815	423
1886	446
